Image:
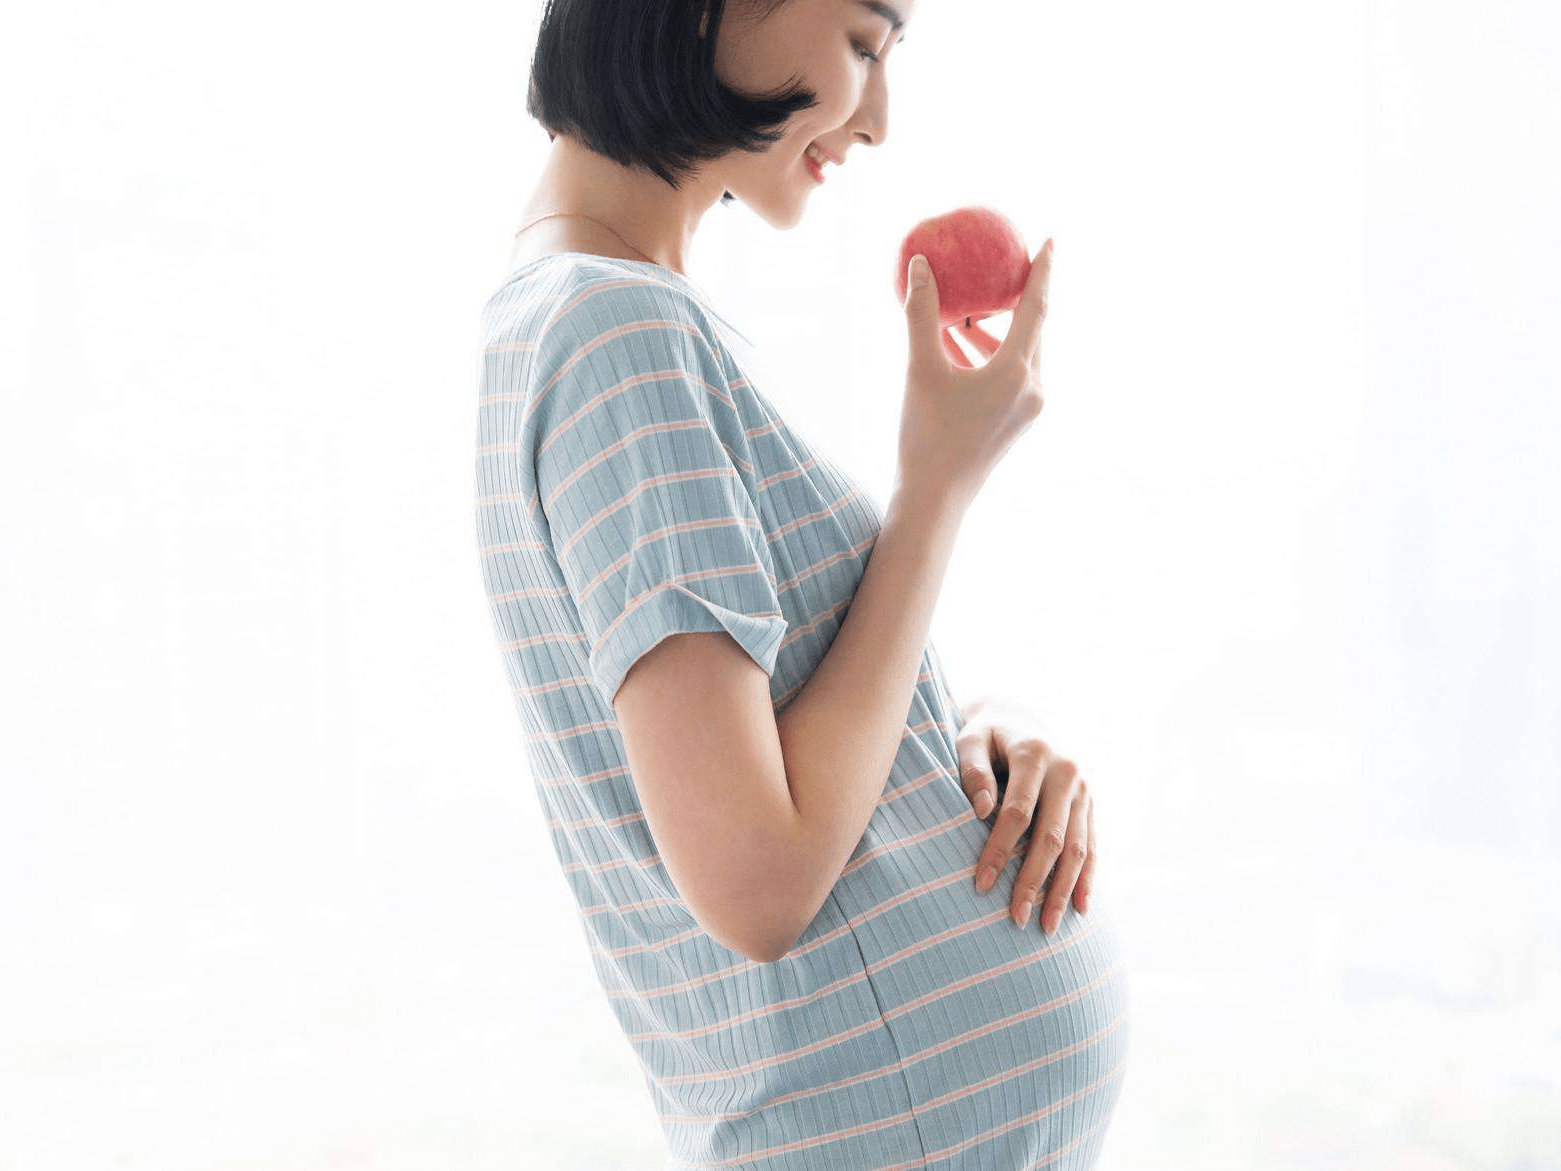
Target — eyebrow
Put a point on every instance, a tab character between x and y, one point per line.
881	9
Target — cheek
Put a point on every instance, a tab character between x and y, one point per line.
838	81
807	62
839	92
770	65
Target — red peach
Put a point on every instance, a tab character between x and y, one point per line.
978	260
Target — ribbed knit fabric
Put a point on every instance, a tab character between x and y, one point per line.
632	482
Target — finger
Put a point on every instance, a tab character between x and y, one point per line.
951	348
1048	836
1026	764
1024	334
976	776
921	312
986	345
1075	852
1086	882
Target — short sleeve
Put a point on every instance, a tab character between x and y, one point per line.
641	457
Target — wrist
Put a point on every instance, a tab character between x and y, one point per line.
930	506
968	708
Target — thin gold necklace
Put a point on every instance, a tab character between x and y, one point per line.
581	216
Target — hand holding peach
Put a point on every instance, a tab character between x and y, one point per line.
959	420
978	258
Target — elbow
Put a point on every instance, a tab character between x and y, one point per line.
773	951
773	932
754	949
774	940
760	946
758	941
760	911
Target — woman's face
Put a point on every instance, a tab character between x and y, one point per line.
827	46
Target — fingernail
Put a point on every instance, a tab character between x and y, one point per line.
983	804
1084	904
986	878
1049	922
1023	916
919	270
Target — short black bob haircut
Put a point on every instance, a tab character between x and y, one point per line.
635	80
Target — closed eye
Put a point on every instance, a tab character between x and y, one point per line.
865	53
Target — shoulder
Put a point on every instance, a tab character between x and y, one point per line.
582	336
609	322
561	304
599	294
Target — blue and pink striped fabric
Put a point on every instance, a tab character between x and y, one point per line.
632	482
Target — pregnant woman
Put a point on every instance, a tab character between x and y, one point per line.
771	813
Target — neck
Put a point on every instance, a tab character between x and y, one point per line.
649	214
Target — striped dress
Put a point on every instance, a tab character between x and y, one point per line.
633	482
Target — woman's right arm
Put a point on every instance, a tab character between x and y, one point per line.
756	815
841	733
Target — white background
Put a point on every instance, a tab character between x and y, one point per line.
1278	566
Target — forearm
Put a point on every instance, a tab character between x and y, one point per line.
841	733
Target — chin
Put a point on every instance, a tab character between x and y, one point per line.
780	209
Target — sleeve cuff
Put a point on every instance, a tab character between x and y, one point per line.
675	609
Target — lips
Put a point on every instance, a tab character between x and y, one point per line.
827	153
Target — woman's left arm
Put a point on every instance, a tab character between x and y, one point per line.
1040	789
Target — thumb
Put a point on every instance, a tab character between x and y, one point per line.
921	311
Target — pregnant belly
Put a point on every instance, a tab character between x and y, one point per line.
1013	1041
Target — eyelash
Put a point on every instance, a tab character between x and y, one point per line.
864	54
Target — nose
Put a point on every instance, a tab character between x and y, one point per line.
871	124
